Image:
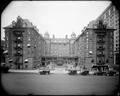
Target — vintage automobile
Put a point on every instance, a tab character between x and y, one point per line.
84	72
71	70
102	70
46	69
111	72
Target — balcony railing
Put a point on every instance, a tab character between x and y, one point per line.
100	49
100	55
19	63
18	41
100	42
100	31
18	54
18	48
100	35
18	33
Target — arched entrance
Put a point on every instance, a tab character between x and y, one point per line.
60	62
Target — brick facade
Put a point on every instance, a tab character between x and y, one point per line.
24	45
95	45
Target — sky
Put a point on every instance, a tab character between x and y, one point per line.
59	18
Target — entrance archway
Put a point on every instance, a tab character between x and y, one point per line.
60	62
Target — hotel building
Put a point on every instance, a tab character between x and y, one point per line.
24	44
110	16
95	45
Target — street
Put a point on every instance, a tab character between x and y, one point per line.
58	84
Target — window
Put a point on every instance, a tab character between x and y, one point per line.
87	33
26	66
104	16
116	44
19	45
28	32
19	52
111	10
6	44
6	37
107	14
99	61
29	38
87	46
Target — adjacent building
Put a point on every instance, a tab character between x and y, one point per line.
95	45
59	51
24	44
110	16
2	49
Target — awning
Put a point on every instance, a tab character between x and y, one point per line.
10	60
114	66
28	45
26	60
6	51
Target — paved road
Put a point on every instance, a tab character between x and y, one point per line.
58	84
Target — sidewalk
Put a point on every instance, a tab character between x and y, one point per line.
59	71
56	71
23	71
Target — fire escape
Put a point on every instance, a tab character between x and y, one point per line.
18	49
100	49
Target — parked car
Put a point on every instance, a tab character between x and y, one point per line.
93	71
111	73
98	70
71	70
44	70
51	66
84	72
102	70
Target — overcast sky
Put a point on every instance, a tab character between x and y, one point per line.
57	17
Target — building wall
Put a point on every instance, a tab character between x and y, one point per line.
36	50
87	46
59	47
111	17
32	45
